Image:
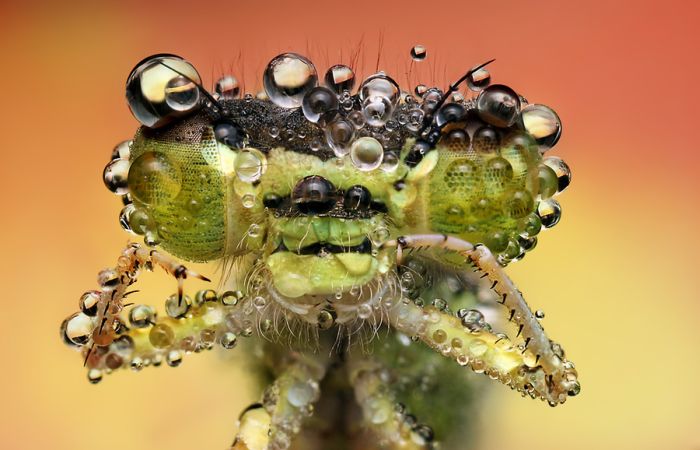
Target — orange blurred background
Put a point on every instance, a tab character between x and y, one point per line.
617	277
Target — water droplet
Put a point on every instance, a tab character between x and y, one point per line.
141	316
418	53
228	340
79	328
115	176
543	124
300	393
380	85
287	78
420	90
498	105
250	165
479	80
231	298
366	153
176	308
539	314
320	105
561	169
451	112
154	179
364	311
174	358
440	304
274	132
486	140
472	319
547	181
121	151
340	78
88	303
157	94
161	336
94	376
339	135
228	88
377	110
325	319
259	302
248	200
358	119
181	94
549	212
390	161
379	235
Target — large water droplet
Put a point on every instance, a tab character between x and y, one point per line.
228	88
498	105
340	78
115	176
549	212
249	165
543	124
287	78
380	85
377	110
339	135
561	169
320	105
154	179
367	153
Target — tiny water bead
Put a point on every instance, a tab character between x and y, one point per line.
79	328
549	212
162	88
472	319
320	105
498	105
561	169
287	78
228	340
88	303
249	165
161	336
479	79
154	179
367	153
340	78
141	316
542	123
181	94
339	135
228	88
418	53
115	176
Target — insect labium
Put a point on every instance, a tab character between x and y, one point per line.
363	237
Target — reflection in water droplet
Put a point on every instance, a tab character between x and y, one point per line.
418	53
340	78
181	94
287	78
366	153
228	88
498	105
154	179
479	80
543	124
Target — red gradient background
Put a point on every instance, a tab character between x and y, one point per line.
617	277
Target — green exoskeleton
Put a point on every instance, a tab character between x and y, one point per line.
363	237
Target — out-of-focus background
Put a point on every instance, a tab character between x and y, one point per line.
617	277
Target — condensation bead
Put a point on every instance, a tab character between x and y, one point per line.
108	279
340	78
161	336
458	137
325	319
124	216
543	124
320	105
231	298
357	118
531	225
390	162
174	358
472	319
162	88
181	94
498	105
205	296
300	393
418	53
549	212
115	176
154	179
250	165
339	135
94	376
121	151
486	140
420	90
479	80
228	340
88	303
548	181
367	153
228	88
79	328
141	316
177	308
520	204
364	311
287	78
380	85
451	112
138	220
561	169
497	241
377	110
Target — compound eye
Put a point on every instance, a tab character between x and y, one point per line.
229	134
162	88
314	195
357	198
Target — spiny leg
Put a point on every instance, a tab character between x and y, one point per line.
536	367
108	343
384	416
273	423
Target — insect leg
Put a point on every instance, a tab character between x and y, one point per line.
536	367
277	419
383	415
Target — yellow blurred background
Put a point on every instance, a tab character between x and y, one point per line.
617	277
